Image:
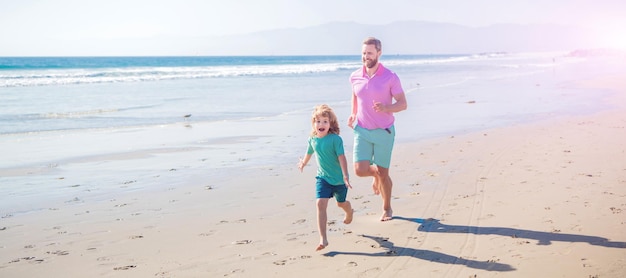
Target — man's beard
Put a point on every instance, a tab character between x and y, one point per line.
370	63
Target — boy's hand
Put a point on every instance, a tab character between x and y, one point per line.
347	181
301	164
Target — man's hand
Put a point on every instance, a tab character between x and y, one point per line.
379	106
351	120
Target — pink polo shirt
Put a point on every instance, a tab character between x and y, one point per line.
381	87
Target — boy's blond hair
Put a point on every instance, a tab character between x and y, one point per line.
325	111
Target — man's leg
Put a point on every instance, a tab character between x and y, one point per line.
347	208
385	192
364	169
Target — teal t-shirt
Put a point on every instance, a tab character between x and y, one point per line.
327	150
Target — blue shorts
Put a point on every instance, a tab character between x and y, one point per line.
374	145
327	190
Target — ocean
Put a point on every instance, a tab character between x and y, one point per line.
48	94
40	94
118	123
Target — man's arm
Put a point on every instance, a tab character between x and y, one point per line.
354	110
397	106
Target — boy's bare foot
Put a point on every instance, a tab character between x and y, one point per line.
387	215
321	246
348	218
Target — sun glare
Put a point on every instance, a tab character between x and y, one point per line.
612	34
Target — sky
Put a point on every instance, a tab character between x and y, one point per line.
64	27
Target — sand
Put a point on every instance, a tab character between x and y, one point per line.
541	199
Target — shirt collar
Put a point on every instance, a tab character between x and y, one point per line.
379	70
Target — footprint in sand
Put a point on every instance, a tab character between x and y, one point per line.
291	236
58	252
124	267
244	241
300	221
209	233
281	262
23	258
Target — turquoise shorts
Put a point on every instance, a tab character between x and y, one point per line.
327	190
374	145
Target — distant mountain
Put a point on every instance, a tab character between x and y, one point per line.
404	37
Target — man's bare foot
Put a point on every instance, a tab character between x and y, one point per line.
321	246
348	218
376	186
387	215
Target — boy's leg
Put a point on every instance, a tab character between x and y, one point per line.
322	218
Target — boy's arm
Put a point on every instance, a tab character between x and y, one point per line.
304	161
343	162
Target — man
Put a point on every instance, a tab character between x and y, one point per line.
374	89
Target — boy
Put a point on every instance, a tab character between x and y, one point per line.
332	172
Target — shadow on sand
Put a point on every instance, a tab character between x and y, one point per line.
391	250
431	225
